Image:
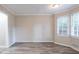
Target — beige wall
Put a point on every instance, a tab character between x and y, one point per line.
8	30
34	28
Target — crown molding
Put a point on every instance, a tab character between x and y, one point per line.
9	9
31	14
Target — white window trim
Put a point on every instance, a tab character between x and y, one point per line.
62	28
77	35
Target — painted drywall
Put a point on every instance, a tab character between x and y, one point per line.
3	29
34	28
6	29
11	29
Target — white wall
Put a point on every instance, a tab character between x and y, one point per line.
7	29
11	29
32	28
3	29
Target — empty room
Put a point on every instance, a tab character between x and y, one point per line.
39	29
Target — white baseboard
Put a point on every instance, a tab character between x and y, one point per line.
51	40
75	48
4	46
11	44
62	44
7	45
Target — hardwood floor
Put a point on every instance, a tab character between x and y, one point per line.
38	48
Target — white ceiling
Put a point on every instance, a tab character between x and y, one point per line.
28	9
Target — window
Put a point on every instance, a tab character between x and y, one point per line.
75	24
63	25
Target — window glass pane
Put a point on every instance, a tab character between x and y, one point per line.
62	25
75	24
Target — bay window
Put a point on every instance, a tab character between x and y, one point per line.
63	23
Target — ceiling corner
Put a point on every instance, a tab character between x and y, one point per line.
9	9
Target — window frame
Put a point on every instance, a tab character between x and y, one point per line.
73	35
57	27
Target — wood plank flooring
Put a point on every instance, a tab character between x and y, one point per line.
38	48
